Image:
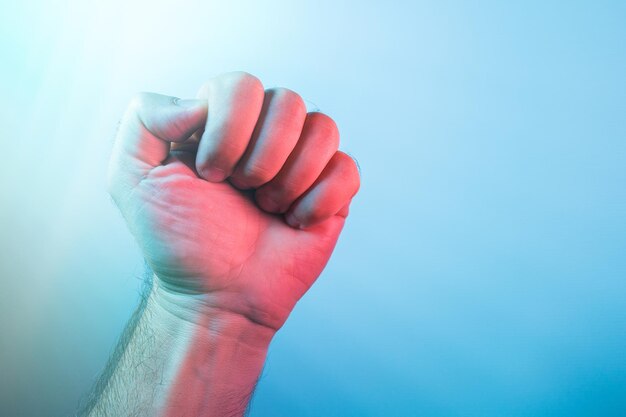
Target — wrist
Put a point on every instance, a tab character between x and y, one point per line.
184	358
182	314
216	356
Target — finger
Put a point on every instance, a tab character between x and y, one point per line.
331	192
190	145
235	100
148	126
274	137
318	142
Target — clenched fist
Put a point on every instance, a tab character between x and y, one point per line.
236	198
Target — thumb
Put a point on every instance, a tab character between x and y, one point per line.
143	139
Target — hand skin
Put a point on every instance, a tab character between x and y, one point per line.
236	199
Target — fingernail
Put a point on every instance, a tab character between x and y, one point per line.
213	174
267	204
293	221
234	181
191	103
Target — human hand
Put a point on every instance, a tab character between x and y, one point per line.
236	198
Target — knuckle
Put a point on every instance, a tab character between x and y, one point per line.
325	125
348	171
138	108
289	99
237	81
329	141
246	80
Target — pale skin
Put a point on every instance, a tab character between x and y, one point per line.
236	199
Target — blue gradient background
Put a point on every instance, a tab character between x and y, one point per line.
483	269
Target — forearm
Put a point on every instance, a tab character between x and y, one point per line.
183	359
